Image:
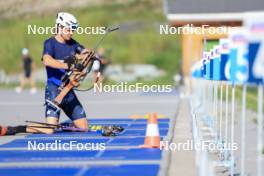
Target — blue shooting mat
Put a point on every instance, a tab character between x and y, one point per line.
24	143
126	132
39	171
124	170
65	135
93	170
129	140
36	156
132	154
81	155
125	125
132	127
109	141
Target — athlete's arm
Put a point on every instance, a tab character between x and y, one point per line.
51	62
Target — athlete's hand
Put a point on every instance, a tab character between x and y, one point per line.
76	77
69	60
86	51
74	66
78	67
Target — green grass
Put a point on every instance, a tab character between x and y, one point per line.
210	44
251	97
164	80
142	44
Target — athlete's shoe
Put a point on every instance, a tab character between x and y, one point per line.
3	131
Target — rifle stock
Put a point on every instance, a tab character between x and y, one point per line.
75	77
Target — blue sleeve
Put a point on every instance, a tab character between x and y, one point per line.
48	49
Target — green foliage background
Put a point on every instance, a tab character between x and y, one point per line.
141	43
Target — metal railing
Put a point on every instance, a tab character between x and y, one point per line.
218	119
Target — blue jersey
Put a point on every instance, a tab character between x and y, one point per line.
59	51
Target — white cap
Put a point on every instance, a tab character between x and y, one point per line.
25	51
67	20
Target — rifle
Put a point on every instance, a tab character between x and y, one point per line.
73	78
105	130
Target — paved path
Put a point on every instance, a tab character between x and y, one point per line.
122	155
182	162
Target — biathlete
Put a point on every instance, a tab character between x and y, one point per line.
57	53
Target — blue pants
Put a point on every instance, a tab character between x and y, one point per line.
70	104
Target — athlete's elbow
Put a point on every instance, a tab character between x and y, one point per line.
48	62
45	61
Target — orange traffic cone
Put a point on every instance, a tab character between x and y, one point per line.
152	139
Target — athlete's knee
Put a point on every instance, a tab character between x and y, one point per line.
52	120
81	123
